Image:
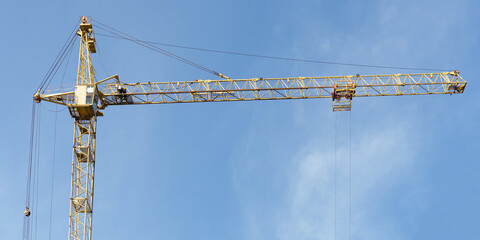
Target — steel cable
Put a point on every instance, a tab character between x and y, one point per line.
125	36
335	178
53	174
350	178
58	59
36	173
26	219
73	40
281	58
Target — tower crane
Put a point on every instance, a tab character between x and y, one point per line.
87	101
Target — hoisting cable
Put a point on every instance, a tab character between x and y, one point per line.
54	149
349	173
350	178
125	36
279	58
36	175
335	177
53	173
27	213
31	202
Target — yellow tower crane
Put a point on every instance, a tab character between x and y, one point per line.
90	97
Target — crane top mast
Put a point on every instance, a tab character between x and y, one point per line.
86	72
85	105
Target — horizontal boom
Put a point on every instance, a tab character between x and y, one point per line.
340	88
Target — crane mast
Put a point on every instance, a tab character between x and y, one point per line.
84	140
90	96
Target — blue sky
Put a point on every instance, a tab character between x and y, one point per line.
253	170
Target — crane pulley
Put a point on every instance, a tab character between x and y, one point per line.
90	97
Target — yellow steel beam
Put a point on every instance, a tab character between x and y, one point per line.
280	88
84	142
270	88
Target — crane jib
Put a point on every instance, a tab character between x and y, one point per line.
341	89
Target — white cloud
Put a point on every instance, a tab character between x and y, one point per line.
309	214
380	160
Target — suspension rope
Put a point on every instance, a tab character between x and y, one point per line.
349	173
350	178
36	174
27	213
53	173
281	58
335	176
101	59
54	149
29	174
155	48
30	229
56	109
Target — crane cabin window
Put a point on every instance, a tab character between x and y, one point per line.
85	95
86	101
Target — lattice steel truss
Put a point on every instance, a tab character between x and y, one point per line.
116	93
83	172
84	141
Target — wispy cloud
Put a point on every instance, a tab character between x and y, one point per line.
381	160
